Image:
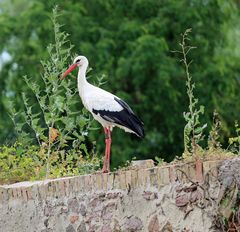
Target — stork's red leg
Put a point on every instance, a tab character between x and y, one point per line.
105	168
109	148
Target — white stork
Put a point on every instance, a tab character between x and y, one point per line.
108	109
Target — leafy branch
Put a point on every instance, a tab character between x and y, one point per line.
52	116
193	131
234	142
214	135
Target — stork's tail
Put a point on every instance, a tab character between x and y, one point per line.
136	125
132	121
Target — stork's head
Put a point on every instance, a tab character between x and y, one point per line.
79	61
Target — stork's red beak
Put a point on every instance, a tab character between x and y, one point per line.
70	69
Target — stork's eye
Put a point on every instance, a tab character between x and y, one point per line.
78	60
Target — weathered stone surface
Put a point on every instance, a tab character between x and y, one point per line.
149	195
73	205
154	224
82	227
155	199
46	222
48	210
168	228
73	218
63	210
113	195
229	172
106	228
82	210
116	225
188	194
142	163
132	223
70	228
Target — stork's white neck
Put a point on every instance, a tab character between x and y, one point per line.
82	82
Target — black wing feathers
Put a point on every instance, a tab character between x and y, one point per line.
125	117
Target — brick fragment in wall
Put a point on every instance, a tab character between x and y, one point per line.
132	223
153	225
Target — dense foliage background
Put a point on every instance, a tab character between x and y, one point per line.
131	43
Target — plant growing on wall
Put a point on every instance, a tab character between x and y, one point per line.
52	119
214	134
193	130
234	142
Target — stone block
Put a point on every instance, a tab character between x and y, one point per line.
143	178
4	195
71	186
153	176
24	194
164	175
132	223
183	172
142	164
82	227
61	187
67	186
153	225
116	180
14	193
191	171
211	167
82	210
70	228
81	184
76	190
128	178
73	218
199	170
73	205
50	189
9	193
110	181
99	181
58	188
172	173
134	178
104	181
87	183
149	195
122	178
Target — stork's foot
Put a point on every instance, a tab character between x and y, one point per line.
104	170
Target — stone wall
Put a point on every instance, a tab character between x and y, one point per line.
155	199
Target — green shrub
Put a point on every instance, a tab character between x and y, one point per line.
19	164
22	163
53	127
234	142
